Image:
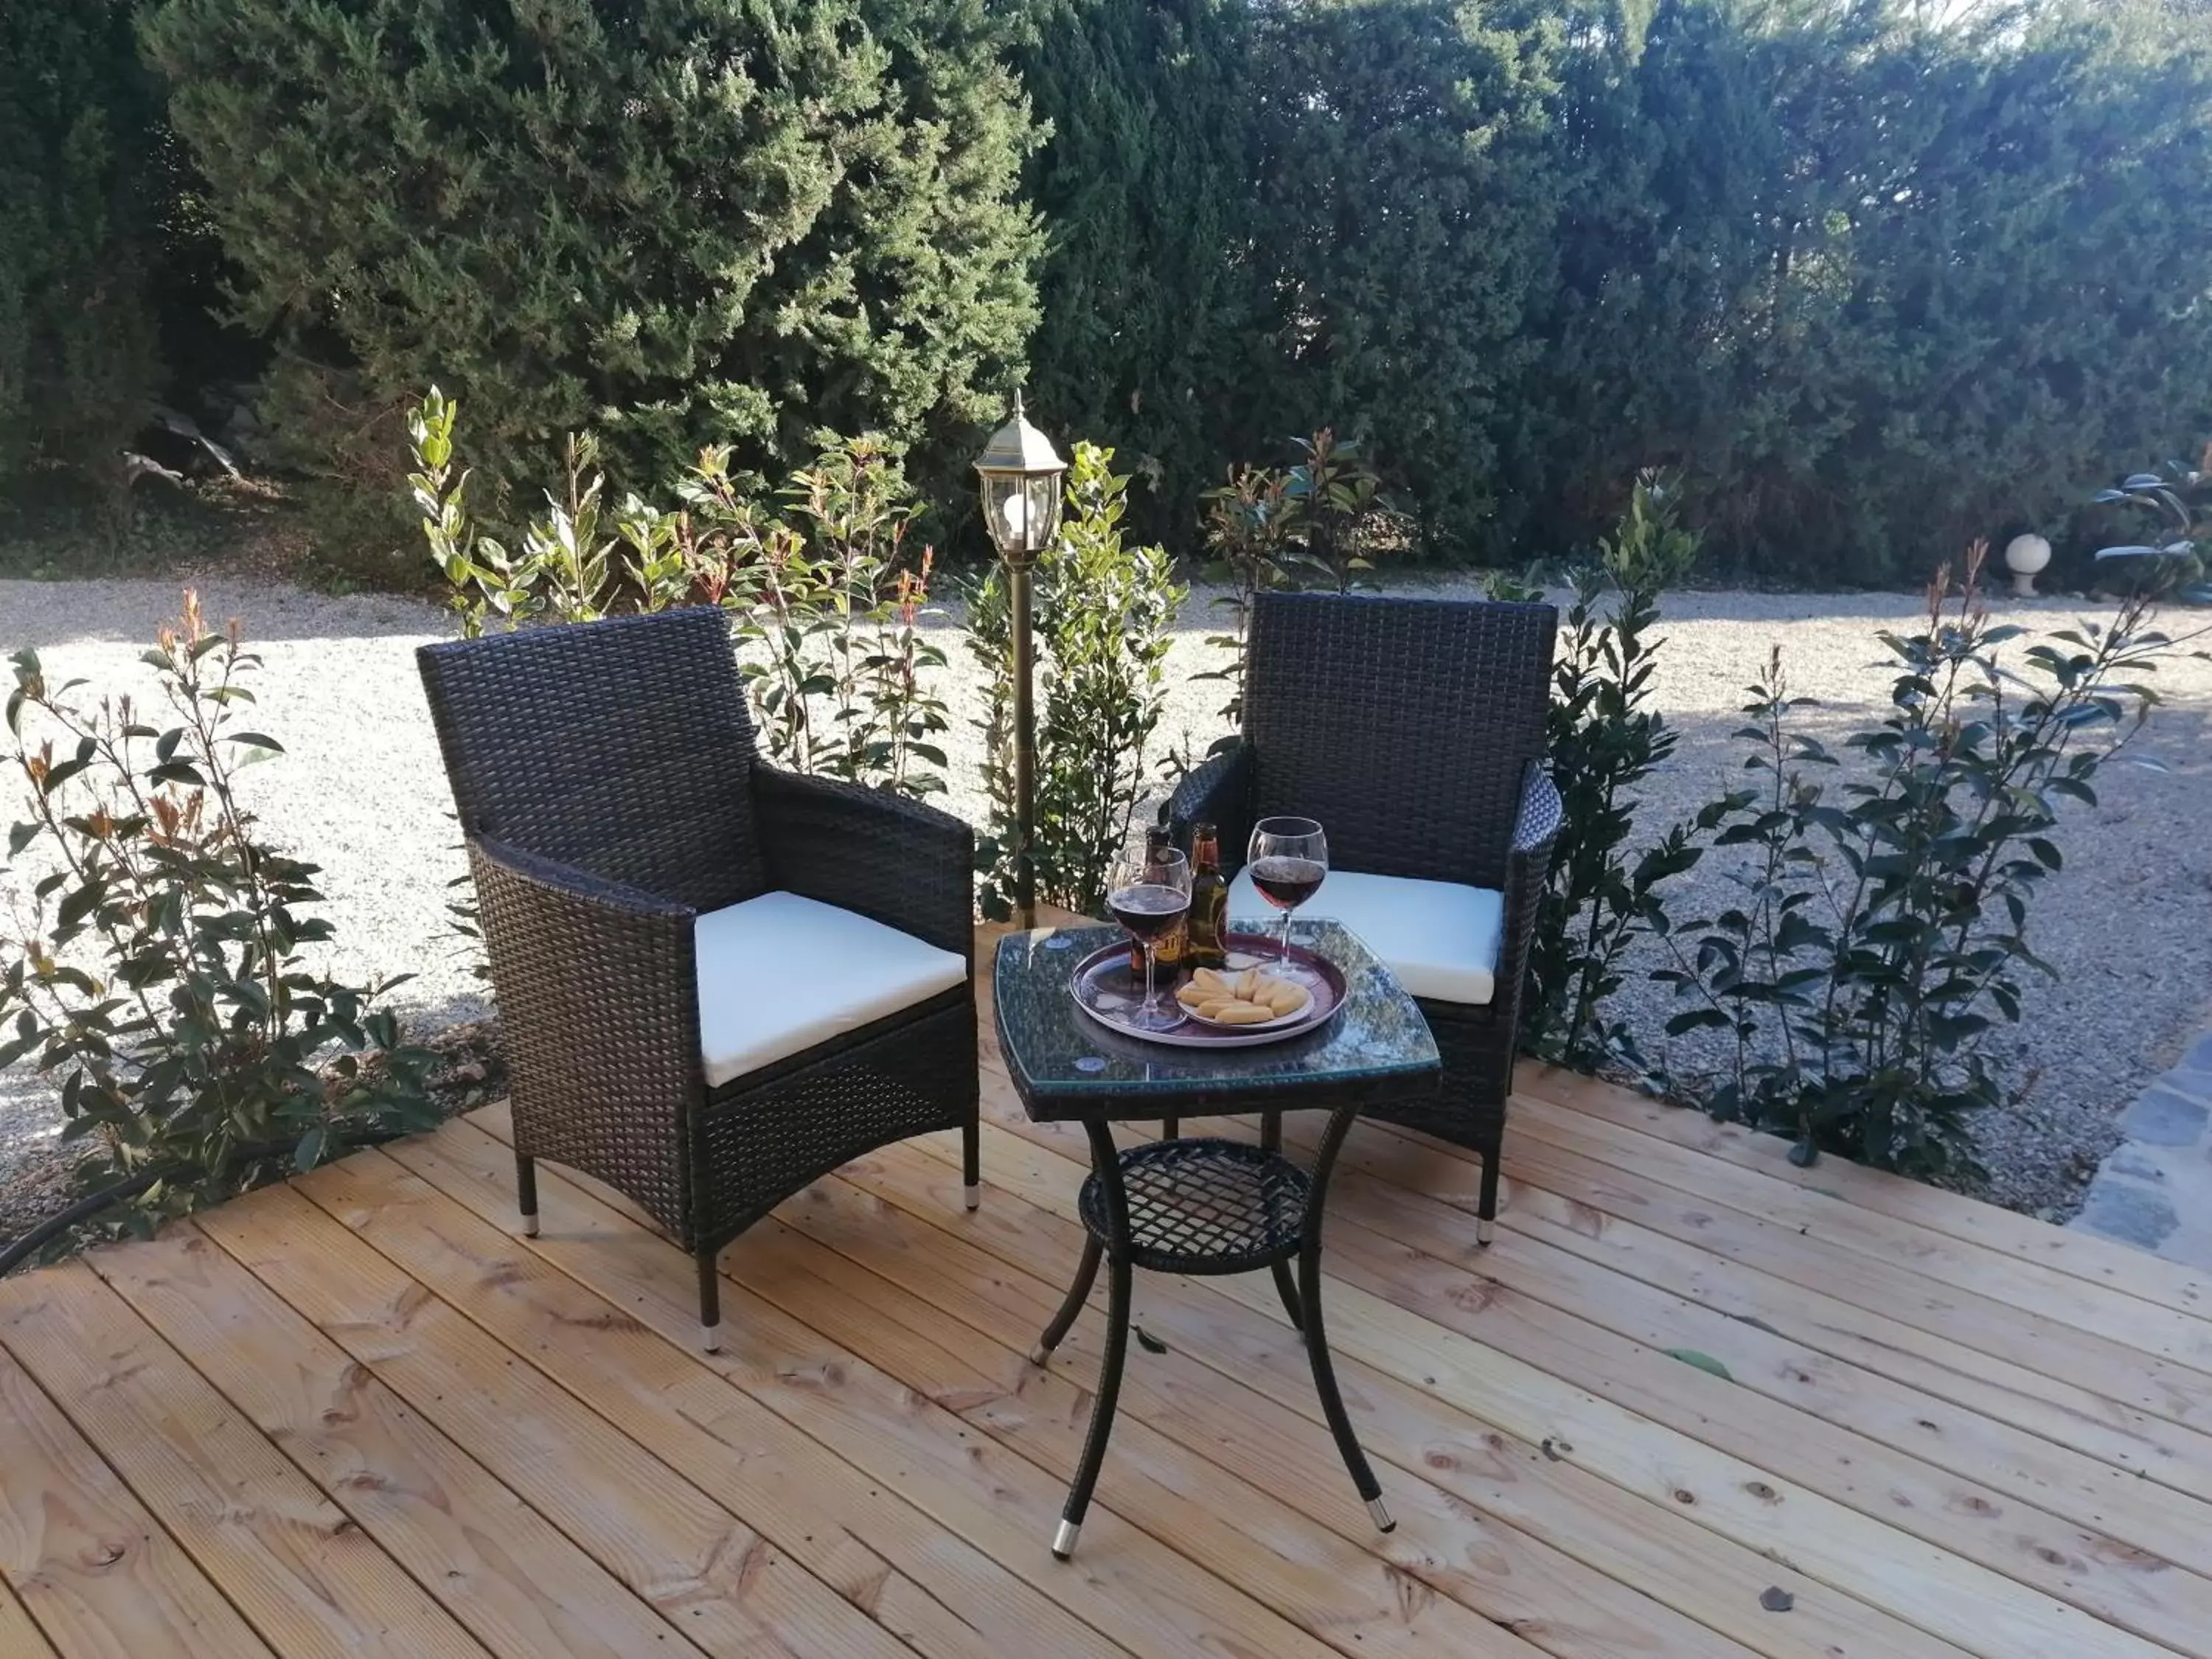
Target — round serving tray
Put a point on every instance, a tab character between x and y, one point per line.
1105	990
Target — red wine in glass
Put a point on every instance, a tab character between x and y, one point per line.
1148	910
1289	860
1150	897
1285	882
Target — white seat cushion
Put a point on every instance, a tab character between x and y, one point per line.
1439	938
781	973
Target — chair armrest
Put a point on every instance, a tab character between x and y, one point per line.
1219	793
894	860
1528	865
599	1009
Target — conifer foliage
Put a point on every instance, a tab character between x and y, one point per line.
77	351
673	222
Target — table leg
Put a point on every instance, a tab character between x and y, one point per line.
1324	1370
1087	1274
1106	1164
1170	1128
1289	1291
1271	1131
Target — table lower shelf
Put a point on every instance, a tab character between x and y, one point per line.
1205	1205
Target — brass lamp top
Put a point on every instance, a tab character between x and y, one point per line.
1019	447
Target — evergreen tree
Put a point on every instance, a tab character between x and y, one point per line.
673	222
1407	220
1146	187
78	363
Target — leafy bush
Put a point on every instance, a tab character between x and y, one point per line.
1882	934
78	357
669	222
1603	739
159	978
1104	613
824	602
1322	520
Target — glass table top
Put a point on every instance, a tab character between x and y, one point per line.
1376	1048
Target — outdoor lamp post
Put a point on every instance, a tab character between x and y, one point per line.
1020	472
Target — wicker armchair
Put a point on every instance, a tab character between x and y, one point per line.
717	981
1413	731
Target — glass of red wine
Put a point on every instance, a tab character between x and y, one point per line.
1289	860
1150	897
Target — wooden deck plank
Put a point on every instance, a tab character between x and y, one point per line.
936	1592
496	1564
293	1563
710	1572
1137	1594
997	1500
1321	1577
102	1576
1931	1365
1651	1289
1656	1550
20	1637
1596	1399
1946	1433
2182	1339
875	1255
1511	1581
2097	1261
2160	1388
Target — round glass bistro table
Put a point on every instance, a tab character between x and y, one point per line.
1202	1205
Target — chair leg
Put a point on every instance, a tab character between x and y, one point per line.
1170	1128
971	1163
710	1303
1486	1209
1101	1411
1285	1288
1324	1376
1087	1274
525	1192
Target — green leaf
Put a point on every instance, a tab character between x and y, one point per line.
309	1153
1704	1362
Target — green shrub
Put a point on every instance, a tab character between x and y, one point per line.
159	977
670	224
1105	617
78	358
1882	931
1603	739
825	601
1323	520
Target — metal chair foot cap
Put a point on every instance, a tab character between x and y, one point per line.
530	1226
1040	1354
1382	1521
710	1337
1485	1231
971	1194
1063	1542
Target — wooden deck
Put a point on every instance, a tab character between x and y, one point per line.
357	1416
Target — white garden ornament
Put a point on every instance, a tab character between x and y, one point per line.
2024	556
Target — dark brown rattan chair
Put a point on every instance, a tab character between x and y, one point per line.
613	805
1413	730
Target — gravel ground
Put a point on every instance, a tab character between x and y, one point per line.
2128	923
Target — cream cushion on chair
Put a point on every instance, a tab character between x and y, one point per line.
1439	937
781	973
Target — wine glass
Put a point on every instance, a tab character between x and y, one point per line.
1289	859
1150	897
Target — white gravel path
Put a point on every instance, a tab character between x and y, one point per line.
361	792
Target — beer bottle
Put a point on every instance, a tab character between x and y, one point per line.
1206	928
